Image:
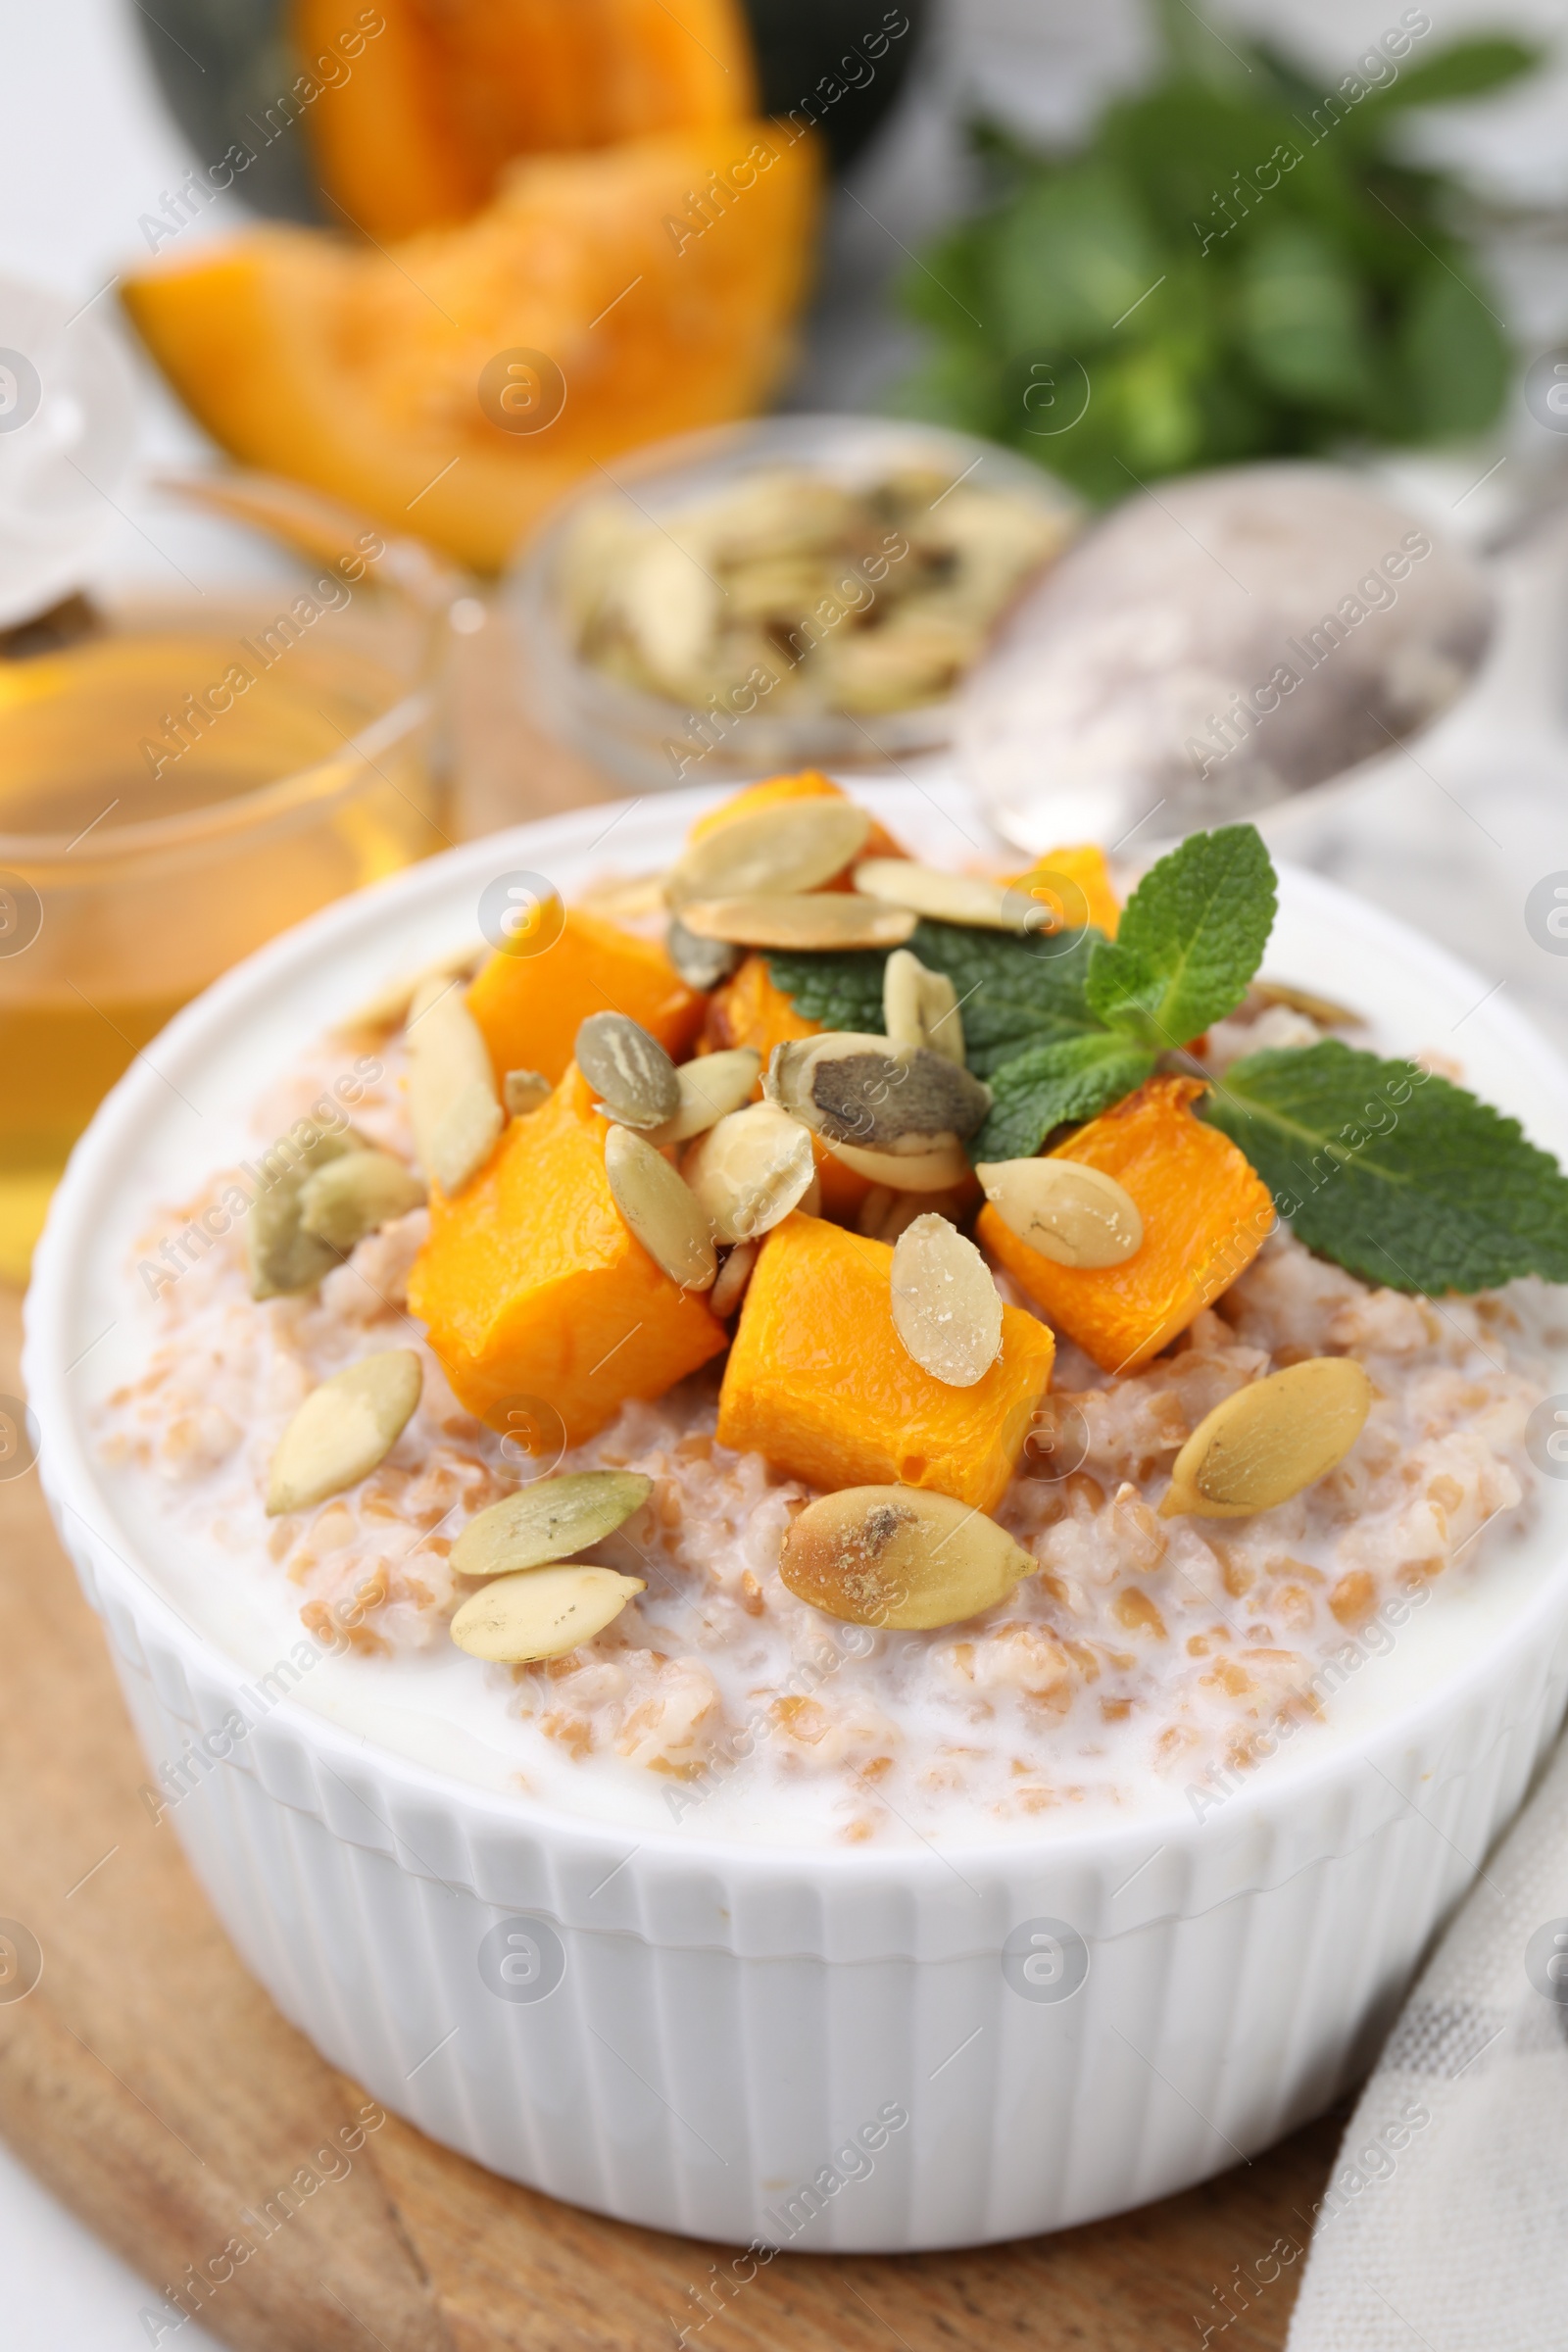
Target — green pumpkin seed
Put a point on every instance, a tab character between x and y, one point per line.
660	1209
703	963
343	1429
281	1255
525	1091
901	1557
629	1069
357	1194
548	1521
543	1613
1270	1440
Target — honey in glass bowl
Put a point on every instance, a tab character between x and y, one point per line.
174	791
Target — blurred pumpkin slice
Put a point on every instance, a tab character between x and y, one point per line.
450	91
360	372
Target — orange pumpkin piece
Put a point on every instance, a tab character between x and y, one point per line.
530	1007
536	1296
809	785
458	384
1091	896
820	1382
1205	1215
437	103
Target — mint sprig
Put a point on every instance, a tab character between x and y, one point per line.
1064	1024
1191	938
1395	1174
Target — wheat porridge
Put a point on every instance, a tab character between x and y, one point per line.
1151	1633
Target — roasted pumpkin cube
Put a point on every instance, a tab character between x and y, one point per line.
530	1007
820	1383
1205	1215
535	1293
1083	867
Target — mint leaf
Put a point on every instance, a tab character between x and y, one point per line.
1398	1176
1073	1078
1013	993
840	991
1191	936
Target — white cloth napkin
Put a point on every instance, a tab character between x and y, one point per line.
1445	2221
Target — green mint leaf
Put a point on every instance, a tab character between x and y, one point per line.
1013	993
839	991
1192	935
1398	1176
1465	69
1073	1078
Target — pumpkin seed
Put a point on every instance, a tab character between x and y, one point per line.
453	1104
711	1088
542	1613
629	1068
355	1194
920	1007
1322	1009
902	1557
549	1521
660	1209
701	963
390	1005
946	1306
902	1008
945	898
733	1277
827	918
941	1170
343	1429
280	1255
1270	1440
525	1091
794	846
750	1170
858	1088
1074	1215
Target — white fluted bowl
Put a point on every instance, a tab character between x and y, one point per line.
830	2047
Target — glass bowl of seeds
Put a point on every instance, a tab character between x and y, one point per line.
807	590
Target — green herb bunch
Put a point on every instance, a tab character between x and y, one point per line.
1390	1171
1235	266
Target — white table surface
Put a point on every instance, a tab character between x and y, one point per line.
1452	843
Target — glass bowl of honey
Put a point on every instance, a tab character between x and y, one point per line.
177	783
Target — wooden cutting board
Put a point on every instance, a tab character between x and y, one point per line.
154	2087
